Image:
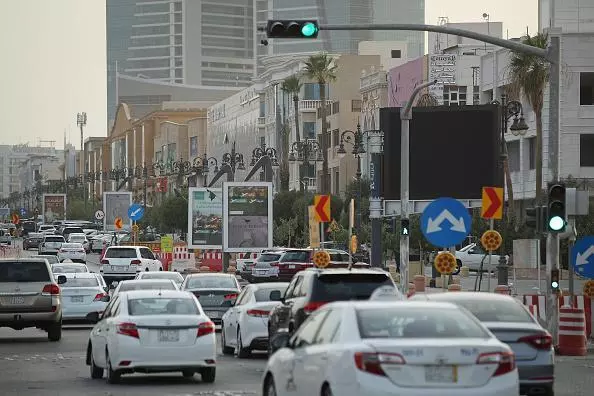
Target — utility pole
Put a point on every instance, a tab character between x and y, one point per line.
81	121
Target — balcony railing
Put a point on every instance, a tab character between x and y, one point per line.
261	120
310	105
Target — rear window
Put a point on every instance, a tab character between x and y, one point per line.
81	282
405	322
174	276
71	246
50	259
68	269
23	271
73	230
147	286
296	257
496	311
78	237
348	286
121	253
162	306
339	257
211	282
263	294
54	239
268	258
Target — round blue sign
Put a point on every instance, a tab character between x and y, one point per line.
445	222
582	257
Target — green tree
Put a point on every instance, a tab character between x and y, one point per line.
173	214
322	69
285	232
529	75
76	210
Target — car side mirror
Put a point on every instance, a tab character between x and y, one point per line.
62	279
280	340
93	317
113	285
275	295
106	298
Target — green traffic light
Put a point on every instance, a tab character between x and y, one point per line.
555	285
556	223
309	29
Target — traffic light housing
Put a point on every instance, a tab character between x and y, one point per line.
295	28
556	208
536	218
555	280
404	227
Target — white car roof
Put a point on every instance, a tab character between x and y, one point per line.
157	293
80	275
141	274
133	281
386	304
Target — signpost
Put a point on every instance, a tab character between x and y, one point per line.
23	212
167	244
445	222
135	212
492	207
314	229
582	257
99	215
118	223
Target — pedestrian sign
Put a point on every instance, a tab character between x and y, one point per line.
445	222
582	257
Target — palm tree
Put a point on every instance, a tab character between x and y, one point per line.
529	76
322	69
292	86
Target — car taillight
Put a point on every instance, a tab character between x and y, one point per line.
258	313
371	362
99	296
312	306
128	329
51	289
538	341
104	261
205	328
505	361
274	264
232	296
135	262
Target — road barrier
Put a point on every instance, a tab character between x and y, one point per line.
572	332
581	302
454	287
419	281
212	259
503	289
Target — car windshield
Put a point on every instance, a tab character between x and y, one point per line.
496	310
54	239
24	271
263	293
69	269
77	237
347	286
162	306
174	276
211	282
339	257
296	257
120	253
268	258
81	282
71	246
165	285
406	322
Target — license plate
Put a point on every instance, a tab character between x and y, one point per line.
168	335
119	268
291	266
213	314
17	300
441	374
77	299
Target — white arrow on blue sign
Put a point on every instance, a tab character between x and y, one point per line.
23	212
582	257
135	212
445	222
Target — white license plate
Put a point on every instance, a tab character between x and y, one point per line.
119	268
168	335
441	374
291	266
213	314
17	300
77	299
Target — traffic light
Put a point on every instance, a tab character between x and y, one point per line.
556	208
536	217
405	227
292	29
554	280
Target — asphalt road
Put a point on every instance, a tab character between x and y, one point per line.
31	366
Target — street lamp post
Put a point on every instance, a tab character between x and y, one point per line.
81	121
234	161
305	151
207	163
508	109
260	152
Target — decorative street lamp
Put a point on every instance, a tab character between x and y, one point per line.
260	152
305	151
234	160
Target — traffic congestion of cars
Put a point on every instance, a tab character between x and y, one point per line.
340	330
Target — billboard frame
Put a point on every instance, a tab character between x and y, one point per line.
65	196
226	186
190	238
105	195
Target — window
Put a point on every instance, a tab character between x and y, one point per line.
162	306
296	256
121	253
337	181
496	311
330	327
262	107
587	150
513	151
335	107
309	130
81	282
147	285
396	54
311	91
587	88
335	137
299	290
306	335
262	141
263	294
242	298
341	287
146	254
356	106
109	309
531	153
211	282
290	288
15	271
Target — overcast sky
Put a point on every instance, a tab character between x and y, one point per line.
53	62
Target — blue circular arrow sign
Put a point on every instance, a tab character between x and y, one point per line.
582	257
135	212
445	222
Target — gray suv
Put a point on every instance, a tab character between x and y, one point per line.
30	296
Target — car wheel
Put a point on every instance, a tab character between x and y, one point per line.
208	374
54	331
269	387
113	376
227	350
240	350
188	373
96	372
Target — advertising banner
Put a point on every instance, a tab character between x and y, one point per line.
53	207
116	204
205	218
247	216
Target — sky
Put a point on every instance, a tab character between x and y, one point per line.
53	63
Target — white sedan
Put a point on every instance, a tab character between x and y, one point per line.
244	327
391	348
150	331
174	276
73	251
82	294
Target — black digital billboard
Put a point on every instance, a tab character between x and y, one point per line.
454	151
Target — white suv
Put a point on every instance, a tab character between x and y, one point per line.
124	262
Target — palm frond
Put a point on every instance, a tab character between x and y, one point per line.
321	68
292	85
